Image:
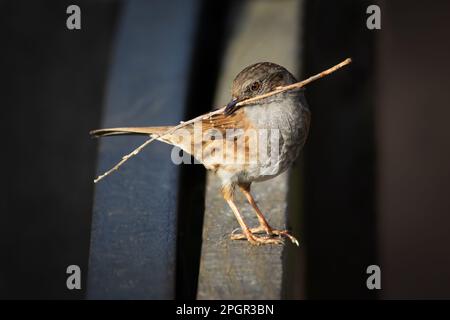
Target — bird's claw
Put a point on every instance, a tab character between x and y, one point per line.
269	239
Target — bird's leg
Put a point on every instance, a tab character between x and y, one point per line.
247	234
263	224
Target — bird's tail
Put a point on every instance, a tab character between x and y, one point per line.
129	131
176	138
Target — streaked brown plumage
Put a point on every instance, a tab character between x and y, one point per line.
284	115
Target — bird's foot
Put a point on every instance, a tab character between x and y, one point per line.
256	240
285	233
268	239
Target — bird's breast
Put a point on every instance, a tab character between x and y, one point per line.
282	125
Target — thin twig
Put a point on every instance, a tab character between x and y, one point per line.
153	138
182	124
296	85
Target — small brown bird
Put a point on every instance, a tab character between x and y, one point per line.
245	144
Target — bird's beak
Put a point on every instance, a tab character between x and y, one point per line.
231	107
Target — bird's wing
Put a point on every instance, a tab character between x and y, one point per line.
236	121
225	137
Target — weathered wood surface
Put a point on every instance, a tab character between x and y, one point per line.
133	242
264	31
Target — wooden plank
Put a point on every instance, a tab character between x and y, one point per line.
264	31
133	243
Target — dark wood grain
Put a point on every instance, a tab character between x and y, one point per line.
134	229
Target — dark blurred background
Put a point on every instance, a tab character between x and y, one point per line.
376	166
53	83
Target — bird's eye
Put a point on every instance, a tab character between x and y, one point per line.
255	86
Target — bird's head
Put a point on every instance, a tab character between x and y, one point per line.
257	79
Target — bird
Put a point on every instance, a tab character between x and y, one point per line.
246	143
